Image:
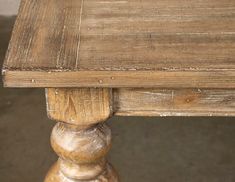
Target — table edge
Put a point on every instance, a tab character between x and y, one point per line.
120	79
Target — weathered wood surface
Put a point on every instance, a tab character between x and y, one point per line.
151	43
84	106
57	176
116	79
163	102
80	139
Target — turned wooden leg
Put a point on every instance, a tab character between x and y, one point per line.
80	138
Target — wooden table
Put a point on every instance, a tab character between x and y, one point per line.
99	58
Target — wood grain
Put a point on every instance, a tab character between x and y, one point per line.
83	106
81	146
55	175
82	154
174	102
169	37
120	79
80	139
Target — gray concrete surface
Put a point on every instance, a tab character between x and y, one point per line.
144	149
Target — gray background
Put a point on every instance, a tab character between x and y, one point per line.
9	7
144	149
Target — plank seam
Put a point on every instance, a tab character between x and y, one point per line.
79	35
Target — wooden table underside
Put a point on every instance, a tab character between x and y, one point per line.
98	58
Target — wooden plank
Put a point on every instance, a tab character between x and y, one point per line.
120	79
162	36
79	106
174	102
45	35
158	34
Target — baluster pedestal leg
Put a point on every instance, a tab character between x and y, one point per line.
80	138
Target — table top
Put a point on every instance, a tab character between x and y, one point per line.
125	43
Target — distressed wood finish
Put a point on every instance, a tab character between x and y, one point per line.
84	106
81	140
56	176
136	48
119	79
93	43
174	102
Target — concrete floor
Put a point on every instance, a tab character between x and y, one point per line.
144	149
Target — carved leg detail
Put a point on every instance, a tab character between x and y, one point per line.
81	148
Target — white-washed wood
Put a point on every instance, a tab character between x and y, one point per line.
174	102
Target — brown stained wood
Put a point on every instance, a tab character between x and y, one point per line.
151	43
81	146
121	79
80	139
81	154
55	175
84	106
173	102
84	171
82	151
